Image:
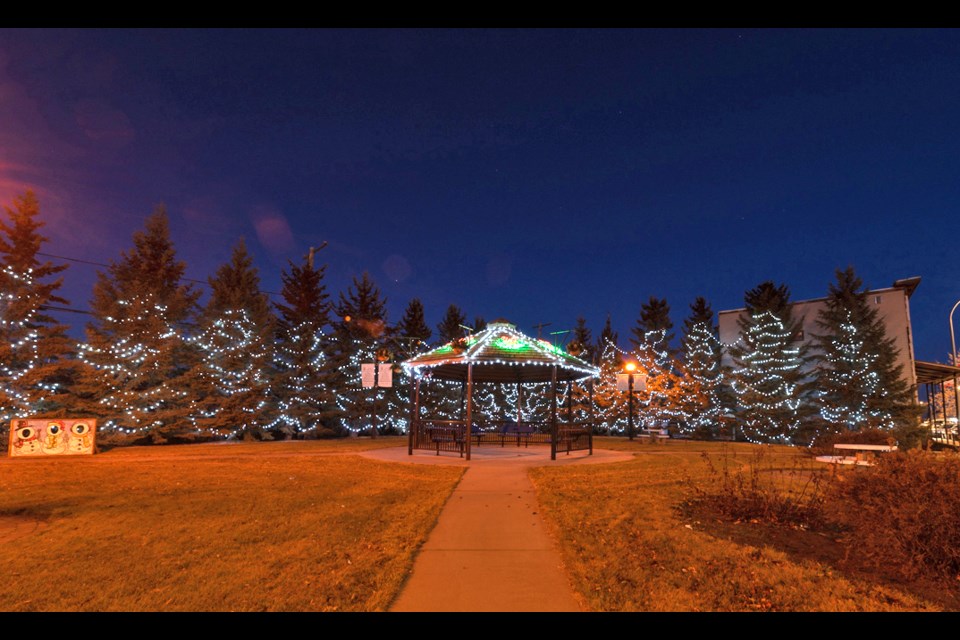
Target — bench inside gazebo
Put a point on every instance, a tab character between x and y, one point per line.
502	355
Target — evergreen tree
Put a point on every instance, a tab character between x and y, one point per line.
232	382
610	403
580	346
479	324
451	327
581	343
413	326
305	401
661	401
859	381
135	355
412	336
608	337
654	316
359	335
702	382
769	377
35	365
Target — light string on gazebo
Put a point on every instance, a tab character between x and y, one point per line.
555	356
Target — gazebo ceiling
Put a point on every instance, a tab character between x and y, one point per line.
500	354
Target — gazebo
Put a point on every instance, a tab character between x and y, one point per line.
499	354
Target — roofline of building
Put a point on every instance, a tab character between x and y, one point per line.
907	284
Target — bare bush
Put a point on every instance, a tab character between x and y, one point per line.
903	513
762	487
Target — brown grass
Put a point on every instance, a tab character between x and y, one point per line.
240	527
629	545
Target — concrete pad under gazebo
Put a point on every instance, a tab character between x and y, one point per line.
499	354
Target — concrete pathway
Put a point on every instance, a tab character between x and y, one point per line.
490	550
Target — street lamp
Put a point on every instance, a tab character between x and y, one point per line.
953	361
626	382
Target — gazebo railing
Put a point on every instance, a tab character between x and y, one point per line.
439	435
450	435
572	436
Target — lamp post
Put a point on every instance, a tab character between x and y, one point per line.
630	367
953	361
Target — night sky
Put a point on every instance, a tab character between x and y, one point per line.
532	175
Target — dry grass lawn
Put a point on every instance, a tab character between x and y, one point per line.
630	545
238	527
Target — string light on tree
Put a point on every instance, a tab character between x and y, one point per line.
129	375
765	381
703	379
850	372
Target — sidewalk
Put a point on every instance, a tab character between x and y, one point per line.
489	550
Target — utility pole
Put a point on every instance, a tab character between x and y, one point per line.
539	328
312	251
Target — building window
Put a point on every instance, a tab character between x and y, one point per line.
798	336
876	299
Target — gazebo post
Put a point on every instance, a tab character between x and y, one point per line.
569	401
553	413
414	415
469	389
943	401
519	401
593	416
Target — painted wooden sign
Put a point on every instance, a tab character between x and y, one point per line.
52	436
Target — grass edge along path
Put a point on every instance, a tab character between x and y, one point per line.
129	531
627	545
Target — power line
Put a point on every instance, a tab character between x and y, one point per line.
48	307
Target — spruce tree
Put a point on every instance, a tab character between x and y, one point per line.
135	356
609	401
608	337
580	346
702	379
359	332
769	378
232	381
36	369
451	327
479	324
661	401
581	343
859	381
412	336
654	316
413	327
305	401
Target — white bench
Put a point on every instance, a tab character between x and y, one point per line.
864	454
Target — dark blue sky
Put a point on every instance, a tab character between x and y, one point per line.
536	175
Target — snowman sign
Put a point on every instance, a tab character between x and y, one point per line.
52	436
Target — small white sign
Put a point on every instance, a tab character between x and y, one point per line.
384	377
639	382
366	374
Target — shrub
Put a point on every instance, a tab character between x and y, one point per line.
759	488
903	512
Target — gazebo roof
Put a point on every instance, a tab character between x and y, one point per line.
500	354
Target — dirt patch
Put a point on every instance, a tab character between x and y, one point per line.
15	527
